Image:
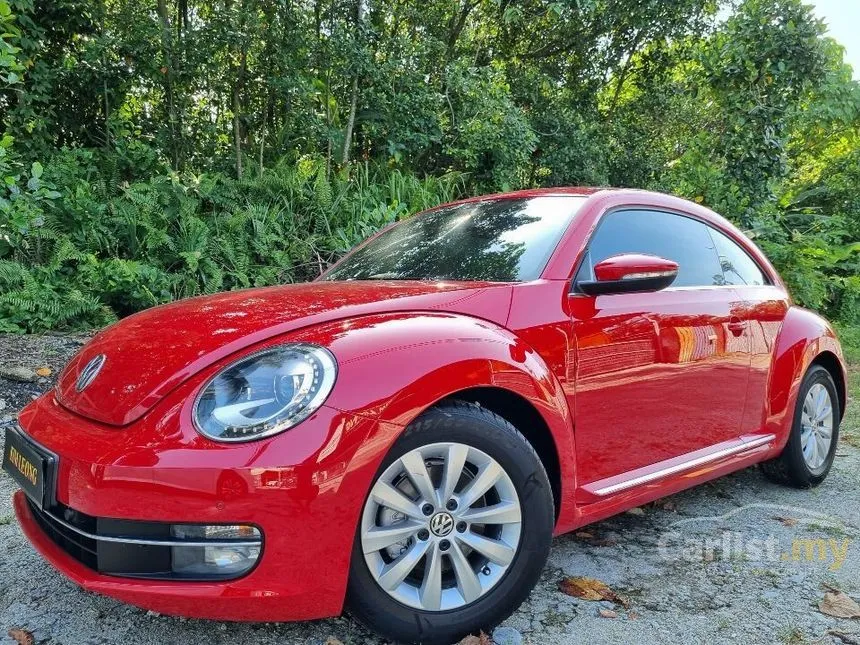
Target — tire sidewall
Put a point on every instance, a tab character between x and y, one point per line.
366	599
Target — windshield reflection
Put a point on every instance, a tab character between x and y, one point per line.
503	240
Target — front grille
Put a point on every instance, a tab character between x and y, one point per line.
82	548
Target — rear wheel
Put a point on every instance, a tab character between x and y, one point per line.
811	448
455	530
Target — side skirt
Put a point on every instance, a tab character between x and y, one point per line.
606	497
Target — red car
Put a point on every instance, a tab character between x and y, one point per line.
405	435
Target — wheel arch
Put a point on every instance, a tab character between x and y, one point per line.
830	361
526	418
804	339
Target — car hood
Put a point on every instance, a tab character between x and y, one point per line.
147	355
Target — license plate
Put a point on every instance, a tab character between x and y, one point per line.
27	465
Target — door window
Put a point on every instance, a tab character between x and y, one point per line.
738	267
674	237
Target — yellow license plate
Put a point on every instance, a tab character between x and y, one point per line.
25	465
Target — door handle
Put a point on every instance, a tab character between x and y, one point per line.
736	325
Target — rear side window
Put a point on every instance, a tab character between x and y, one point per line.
738	267
674	237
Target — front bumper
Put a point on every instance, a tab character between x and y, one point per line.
221	601
303	488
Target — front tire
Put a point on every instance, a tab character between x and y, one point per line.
811	448
455	530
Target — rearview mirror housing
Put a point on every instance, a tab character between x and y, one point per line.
630	273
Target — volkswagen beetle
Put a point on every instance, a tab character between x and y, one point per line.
404	435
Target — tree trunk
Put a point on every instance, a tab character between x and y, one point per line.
167	49
350	124
353	106
237	110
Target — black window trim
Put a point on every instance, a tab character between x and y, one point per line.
574	290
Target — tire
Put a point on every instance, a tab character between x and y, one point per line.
484	438
792	467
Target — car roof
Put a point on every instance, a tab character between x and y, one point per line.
637	195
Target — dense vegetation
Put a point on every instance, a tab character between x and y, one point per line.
156	150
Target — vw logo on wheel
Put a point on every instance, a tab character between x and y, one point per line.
441	524
89	373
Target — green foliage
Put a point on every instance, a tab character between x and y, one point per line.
97	250
158	150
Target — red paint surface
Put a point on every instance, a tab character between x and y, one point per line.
622	383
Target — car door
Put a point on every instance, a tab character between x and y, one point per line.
765	306
658	375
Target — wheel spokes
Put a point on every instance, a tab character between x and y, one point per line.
813	451
416	469
822	448
392	498
494	550
430	592
822	401
501	513
395	573
468	583
382	537
454	464
486	478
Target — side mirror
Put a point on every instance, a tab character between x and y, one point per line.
630	273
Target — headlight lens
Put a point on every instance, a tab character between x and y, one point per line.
265	393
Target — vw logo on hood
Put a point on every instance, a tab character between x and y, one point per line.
90	371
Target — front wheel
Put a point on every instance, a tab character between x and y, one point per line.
811	448
455	530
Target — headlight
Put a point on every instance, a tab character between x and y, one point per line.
265	393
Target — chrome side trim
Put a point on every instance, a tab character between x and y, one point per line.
671	470
109	538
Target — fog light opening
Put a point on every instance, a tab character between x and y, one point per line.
234	551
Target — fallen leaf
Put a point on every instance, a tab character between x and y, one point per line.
636	511
331	640
43	371
585	588
608	613
838	604
21	636
787	521
590	589
584	535
471	639
632	615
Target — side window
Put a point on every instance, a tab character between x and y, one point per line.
674	237
738	267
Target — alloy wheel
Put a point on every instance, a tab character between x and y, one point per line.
816	421
441	526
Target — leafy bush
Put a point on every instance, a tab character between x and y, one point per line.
86	246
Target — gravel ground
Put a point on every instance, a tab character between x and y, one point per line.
723	563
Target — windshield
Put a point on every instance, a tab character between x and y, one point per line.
502	240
